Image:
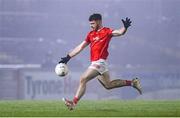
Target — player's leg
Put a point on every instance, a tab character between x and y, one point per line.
86	76
104	79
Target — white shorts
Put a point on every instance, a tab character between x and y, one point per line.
100	65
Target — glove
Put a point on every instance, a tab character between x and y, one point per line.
126	22
65	59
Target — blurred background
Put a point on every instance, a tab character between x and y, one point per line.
35	34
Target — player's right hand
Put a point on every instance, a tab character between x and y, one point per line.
65	59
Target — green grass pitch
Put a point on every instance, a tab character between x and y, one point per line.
85	108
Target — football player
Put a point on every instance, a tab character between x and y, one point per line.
98	39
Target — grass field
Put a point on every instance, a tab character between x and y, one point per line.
91	108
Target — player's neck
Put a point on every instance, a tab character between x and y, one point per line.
99	28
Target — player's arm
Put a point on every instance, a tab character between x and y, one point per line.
78	49
122	30
74	52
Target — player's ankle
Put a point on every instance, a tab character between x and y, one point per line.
75	100
128	82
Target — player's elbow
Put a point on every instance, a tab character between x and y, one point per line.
118	34
122	33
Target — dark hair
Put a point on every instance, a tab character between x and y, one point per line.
95	16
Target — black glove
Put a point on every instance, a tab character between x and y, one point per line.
126	22
65	59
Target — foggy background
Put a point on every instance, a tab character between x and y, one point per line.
35	34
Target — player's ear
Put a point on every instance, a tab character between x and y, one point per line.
99	22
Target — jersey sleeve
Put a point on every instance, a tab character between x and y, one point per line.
110	32
87	39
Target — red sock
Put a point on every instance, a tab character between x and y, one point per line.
128	82
75	100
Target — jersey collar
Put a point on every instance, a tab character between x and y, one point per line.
100	29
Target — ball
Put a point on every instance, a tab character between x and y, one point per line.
61	69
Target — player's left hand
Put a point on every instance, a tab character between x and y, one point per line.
127	22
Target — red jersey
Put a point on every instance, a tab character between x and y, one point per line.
99	42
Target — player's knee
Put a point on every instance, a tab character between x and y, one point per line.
108	87
105	85
83	80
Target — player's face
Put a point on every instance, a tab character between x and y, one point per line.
95	24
